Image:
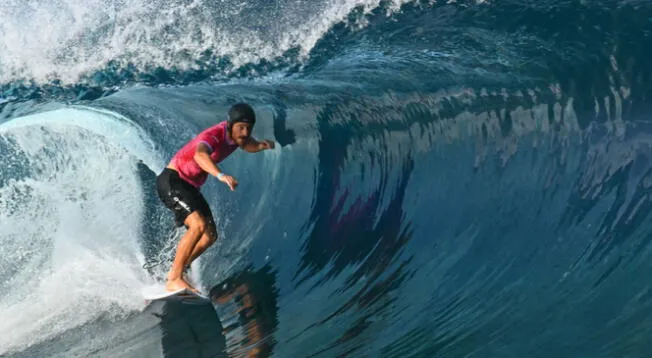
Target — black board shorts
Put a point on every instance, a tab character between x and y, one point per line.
181	197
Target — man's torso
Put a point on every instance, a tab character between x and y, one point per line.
220	147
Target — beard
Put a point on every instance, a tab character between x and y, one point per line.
241	141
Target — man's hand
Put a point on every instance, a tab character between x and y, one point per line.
228	180
267	144
254	146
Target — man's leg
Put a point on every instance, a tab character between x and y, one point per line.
196	229
210	234
207	239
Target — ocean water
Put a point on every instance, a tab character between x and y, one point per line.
450	178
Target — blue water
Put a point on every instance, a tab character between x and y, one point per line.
451	179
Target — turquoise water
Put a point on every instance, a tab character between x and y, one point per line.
451	179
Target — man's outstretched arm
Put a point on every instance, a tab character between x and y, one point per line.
254	145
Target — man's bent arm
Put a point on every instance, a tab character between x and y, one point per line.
203	158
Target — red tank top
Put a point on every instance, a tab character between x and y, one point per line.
219	144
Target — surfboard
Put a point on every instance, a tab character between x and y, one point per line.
159	293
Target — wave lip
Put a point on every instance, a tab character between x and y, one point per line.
67	42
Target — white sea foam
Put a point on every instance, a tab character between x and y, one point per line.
71	218
43	40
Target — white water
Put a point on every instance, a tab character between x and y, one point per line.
69	224
42	40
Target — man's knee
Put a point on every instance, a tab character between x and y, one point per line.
196	223
212	234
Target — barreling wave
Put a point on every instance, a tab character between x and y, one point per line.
451	179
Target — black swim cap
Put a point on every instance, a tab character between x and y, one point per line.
241	112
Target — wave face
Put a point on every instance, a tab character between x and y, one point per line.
463	178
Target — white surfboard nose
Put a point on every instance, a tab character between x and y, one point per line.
158	293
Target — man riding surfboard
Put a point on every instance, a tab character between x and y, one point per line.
179	183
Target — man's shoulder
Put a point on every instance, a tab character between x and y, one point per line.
215	129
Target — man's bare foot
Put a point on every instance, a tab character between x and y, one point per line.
178	284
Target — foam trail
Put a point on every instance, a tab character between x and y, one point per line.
68	39
71	223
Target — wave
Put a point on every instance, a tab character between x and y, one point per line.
402	217
71	213
67	42
431	45
467	179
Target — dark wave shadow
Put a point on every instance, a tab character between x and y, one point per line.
189	330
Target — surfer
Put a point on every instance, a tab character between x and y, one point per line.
178	185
